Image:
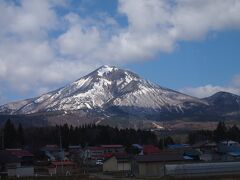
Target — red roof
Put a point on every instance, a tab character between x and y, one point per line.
150	149
95	148
105	156
20	153
112	146
51	146
121	156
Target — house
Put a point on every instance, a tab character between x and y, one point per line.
93	152
26	158
75	149
178	146
10	165
113	148
150	149
117	163
61	168
192	154
208	150
153	165
7	161
75	153
235	154
138	147
205	146
53	152
228	146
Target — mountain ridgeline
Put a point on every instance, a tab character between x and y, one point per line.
110	93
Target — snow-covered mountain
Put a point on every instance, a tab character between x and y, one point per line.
108	88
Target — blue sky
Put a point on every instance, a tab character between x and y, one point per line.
214	60
189	46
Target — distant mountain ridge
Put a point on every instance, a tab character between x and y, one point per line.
112	91
224	102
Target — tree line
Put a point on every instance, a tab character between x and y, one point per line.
221	133
35	137
13	136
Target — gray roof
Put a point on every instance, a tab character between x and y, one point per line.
123	157
159	158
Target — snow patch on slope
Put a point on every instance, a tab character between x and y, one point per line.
105	87
104	70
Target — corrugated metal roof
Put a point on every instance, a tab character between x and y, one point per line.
159	157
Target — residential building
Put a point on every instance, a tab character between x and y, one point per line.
53	152
75	153
113	148
178	146
139	147
117	163
150	149
61	168
192	154
94	152
10	165
228	146
153	165
26	158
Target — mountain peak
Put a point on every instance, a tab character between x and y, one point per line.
105	69
113	92
112	73
108	87
107	66
224	102
223	94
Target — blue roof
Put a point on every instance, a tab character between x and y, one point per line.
234	153
187	157
137	146
177	146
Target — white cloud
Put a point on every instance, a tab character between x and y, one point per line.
208	90
236	81
29	60
3	97
78	42
30	20
193	19
41	48
2	100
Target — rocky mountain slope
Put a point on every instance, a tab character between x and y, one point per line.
110	91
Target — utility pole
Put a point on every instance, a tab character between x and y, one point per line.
163	141
163	146
3	140
62	153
